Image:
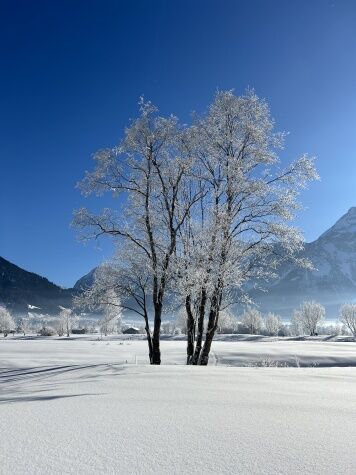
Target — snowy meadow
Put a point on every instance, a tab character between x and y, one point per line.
87	406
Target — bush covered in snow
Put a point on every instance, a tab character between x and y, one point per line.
47	331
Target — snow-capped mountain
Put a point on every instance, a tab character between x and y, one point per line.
333	280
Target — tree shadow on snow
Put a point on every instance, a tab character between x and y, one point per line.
15	399
27	384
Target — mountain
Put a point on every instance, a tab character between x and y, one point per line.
333	280
20	288
86	281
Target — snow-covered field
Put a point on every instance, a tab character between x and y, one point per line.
94	407
227	350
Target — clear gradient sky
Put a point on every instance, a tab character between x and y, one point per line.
72	71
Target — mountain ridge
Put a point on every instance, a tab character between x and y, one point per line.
333	279
332	282
20	288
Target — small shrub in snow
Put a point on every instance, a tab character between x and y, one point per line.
268	362
47	331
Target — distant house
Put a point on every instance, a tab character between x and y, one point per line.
131	331
79	331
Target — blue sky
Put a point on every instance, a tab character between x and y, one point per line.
72	73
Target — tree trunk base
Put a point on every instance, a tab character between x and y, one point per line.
195	359
156	357
204	360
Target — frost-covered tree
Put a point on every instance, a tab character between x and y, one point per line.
24	325
246	207
348	317
192	277
309	315
273	323
67	320
112	319
252	319
181	321
227	322
331	329
207	207
168	328
147	171
296	326
59	326
6	321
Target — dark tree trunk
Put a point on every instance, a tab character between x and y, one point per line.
190	329
149	338
201	316
204	358
212	325
150	349
156	351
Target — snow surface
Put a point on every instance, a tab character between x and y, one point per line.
71	406
229	350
